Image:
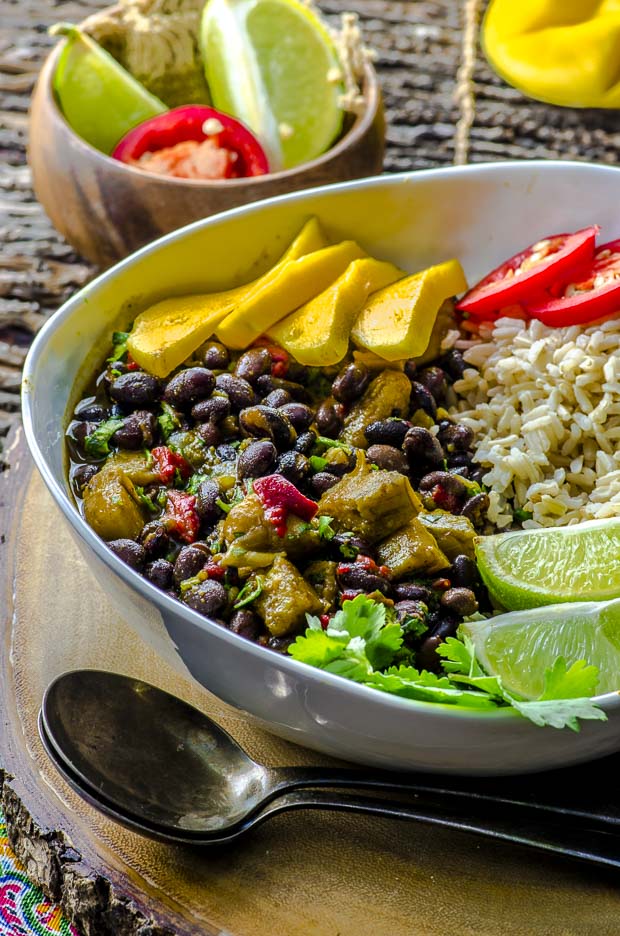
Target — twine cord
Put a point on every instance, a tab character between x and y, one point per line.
464	94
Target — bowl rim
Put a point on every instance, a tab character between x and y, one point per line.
358	129
416	708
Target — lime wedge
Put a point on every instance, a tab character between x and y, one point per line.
529	568
519	647
272	64
99	98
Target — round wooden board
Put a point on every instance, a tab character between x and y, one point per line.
306	874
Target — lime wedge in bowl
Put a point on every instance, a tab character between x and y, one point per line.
520	646
273	65
529	568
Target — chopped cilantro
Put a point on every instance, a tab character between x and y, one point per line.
97	443
168	420
325	528
146	500
195	481
119	346
249	593
332	443
522	515
347	549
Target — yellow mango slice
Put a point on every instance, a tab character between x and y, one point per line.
318	333
167	333
398	320
285	289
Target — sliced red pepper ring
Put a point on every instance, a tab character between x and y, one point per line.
196	123
591	296
518	280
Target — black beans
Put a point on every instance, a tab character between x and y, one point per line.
92	412
131	553
137	432
453	437
213	410
411	369
253	364
348	546
160	573
354	576
388	458
238	391
81	475
434	379
387	432
408	591
322	481
77	432
350	383
448	491
330	418
305	442
155	540
461	601
277	398
215	356
226	452
422	449
294	467
299	415
453	364
427	657
246	624
464	572
267	384
190	561
264	422
135	389
210	433
207	508
422	399
257	459
207	598
189	386
475	508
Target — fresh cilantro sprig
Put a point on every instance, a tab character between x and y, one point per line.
97	443
168	420
119	346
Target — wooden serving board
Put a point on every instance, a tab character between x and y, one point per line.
305	874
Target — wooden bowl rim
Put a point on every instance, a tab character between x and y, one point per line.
360	127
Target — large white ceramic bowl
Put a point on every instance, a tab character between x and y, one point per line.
480	214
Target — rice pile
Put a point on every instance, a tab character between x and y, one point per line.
545	406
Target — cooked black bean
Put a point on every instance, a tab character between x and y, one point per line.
246	624
477	475
135	389
226	452
91	411
207	496
267	384
253	364
351	382
453	364
189	386
277	398
137	432
388	458
434	379
190	561
81	475
387	432
299	415
212	410
322	481
408	591
257	459
305	442
294	467
207	598
411	369
348	546
239	391
210	433
131	553
459	460
78	431
355	576
455	437
461	601
422	399
330	418
422	449
448	491
464	572
265	422
427	657
215	356
475	508
160	573
155	540
446	625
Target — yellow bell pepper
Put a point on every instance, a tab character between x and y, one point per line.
559	51
398	321
318	333
167	333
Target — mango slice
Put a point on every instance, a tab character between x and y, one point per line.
167	333
398	320
285	289
318	333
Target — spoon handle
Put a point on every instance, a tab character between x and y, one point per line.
602	848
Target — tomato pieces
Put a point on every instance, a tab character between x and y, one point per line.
193	142
280	498
518	281
168	463
592	296
182	514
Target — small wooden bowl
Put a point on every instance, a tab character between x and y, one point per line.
106	209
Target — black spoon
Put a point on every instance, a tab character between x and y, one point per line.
162	768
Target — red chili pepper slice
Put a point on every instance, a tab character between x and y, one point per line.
280	498
518	280
192	124
168	462
181	510
593	296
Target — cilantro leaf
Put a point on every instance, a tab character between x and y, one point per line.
559	713
249	593
578	681
97	442
168	420
119	346
407	682
317	648
325	529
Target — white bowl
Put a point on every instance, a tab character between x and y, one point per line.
480	214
